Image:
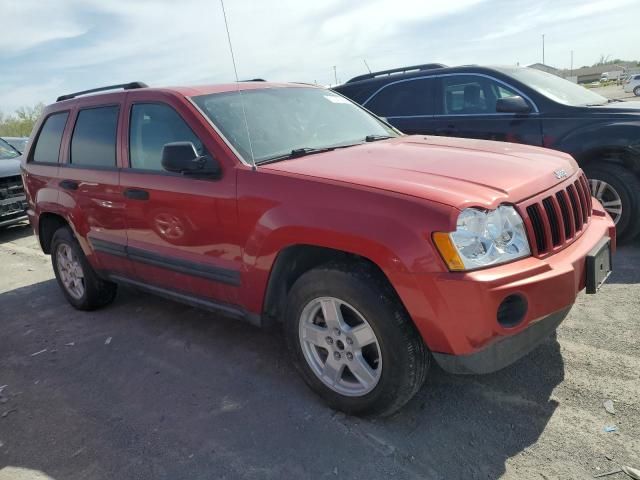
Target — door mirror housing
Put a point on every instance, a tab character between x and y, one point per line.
182	157
515	104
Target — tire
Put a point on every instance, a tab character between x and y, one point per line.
636	91
627	187
361	295
94	292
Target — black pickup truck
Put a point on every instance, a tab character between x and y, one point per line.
521	105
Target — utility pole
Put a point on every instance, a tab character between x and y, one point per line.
543	49
572	63
335	74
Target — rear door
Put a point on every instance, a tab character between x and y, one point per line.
181	229
89	183
466	107
407	104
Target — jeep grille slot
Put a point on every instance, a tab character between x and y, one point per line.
547	203
561	215
538	227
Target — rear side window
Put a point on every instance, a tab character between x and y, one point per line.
47	148
407	98
152	126
93	143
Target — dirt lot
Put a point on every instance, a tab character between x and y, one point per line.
150	389
616	92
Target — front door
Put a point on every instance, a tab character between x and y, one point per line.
466	107
180	228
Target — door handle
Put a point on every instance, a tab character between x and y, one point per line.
69	184
136	194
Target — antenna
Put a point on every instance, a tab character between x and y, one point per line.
366	65
235	71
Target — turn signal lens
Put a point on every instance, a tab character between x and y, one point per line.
448	251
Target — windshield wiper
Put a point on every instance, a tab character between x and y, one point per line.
375	138
296	153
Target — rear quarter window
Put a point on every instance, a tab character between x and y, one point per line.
405	98
93	143
47	147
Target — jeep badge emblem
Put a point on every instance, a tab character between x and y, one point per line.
560	173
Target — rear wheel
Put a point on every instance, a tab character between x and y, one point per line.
352	340
80	284
636	91
618	190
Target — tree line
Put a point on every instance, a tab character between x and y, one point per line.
21	122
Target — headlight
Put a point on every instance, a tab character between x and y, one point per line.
483	238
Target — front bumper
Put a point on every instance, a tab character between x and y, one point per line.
13	219
456	313
504	351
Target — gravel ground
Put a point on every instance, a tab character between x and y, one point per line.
150	389
617	92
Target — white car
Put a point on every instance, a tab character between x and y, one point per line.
633	84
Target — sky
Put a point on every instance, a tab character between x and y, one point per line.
52	47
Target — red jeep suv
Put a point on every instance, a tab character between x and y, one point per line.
378	251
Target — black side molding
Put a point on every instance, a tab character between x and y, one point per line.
223	275
108	247
195	269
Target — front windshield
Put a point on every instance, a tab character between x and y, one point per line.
7	151
556	88
284	119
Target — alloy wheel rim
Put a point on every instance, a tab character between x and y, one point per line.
340	346
608	197
70	271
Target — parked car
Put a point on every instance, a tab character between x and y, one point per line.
288	202
520	105
632	84
613	75
19	143
12	198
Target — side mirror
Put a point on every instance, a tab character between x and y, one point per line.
182	157
514	104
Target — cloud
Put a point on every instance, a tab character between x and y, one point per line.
51	48
20	33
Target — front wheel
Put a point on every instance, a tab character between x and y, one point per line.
636	91
352	340
618	190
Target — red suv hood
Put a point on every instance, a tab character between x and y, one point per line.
454	171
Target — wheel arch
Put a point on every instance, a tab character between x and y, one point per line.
293	261
48	223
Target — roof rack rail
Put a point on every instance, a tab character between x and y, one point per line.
254	80
125	86
417	68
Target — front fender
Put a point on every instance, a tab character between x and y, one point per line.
614	136
390	230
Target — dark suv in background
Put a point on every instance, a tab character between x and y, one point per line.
520	105
12	199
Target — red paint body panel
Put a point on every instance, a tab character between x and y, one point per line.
381	201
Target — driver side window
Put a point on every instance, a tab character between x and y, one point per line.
151	126
472	94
